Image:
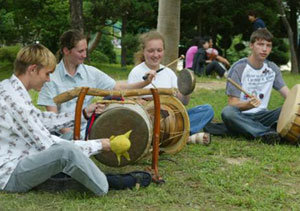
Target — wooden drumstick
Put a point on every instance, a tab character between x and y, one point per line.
157	71
238	87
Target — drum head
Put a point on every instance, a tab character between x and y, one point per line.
178	138
186	81
289	114
117	120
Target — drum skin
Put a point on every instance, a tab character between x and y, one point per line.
186	81
117	119
289	119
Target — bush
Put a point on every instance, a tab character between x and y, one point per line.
9	53
130	43
98	57
106	47
280	52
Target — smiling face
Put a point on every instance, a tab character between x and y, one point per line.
261	49
154	53
77	54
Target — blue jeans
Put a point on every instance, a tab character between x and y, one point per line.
199	116
250	125
61	157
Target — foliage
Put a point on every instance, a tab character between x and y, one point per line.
9	53
226	19
98	57
33	20
107	48
232	54
280	52
130	42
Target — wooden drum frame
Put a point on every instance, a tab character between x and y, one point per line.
119	118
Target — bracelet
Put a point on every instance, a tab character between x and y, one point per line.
85	114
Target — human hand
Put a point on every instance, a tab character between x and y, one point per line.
254	101
98	108
65	130
105	144
150	76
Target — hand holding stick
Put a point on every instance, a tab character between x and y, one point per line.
238	87
157	71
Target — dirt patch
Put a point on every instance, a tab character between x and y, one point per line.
212	85
236	161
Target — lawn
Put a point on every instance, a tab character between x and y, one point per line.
229	174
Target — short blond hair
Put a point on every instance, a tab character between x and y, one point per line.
33	54
144	38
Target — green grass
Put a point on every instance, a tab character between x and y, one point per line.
229	174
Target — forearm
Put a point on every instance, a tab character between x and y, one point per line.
183	98
241	105
60	123
284	91
137	85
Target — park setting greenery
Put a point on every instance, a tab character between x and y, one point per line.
230	173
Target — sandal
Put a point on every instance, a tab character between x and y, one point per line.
200	138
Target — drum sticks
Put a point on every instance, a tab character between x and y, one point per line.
238	87
176	60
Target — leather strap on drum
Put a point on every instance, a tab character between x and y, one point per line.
78	111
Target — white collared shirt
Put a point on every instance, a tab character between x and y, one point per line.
25	130
61	81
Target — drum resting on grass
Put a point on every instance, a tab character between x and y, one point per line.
119	118
289	120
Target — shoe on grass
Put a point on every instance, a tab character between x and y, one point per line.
271	137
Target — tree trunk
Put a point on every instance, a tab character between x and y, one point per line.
286	24
123	49
76	14
293	5
168	24
94	43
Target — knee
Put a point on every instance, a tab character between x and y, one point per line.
68	150
209	110
229	112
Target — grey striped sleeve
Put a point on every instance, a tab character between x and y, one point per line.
235	73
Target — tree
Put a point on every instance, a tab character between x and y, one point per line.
76	14
291	38
29	21
168	23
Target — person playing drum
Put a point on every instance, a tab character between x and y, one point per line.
247	114
149	57
71	72
29	153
